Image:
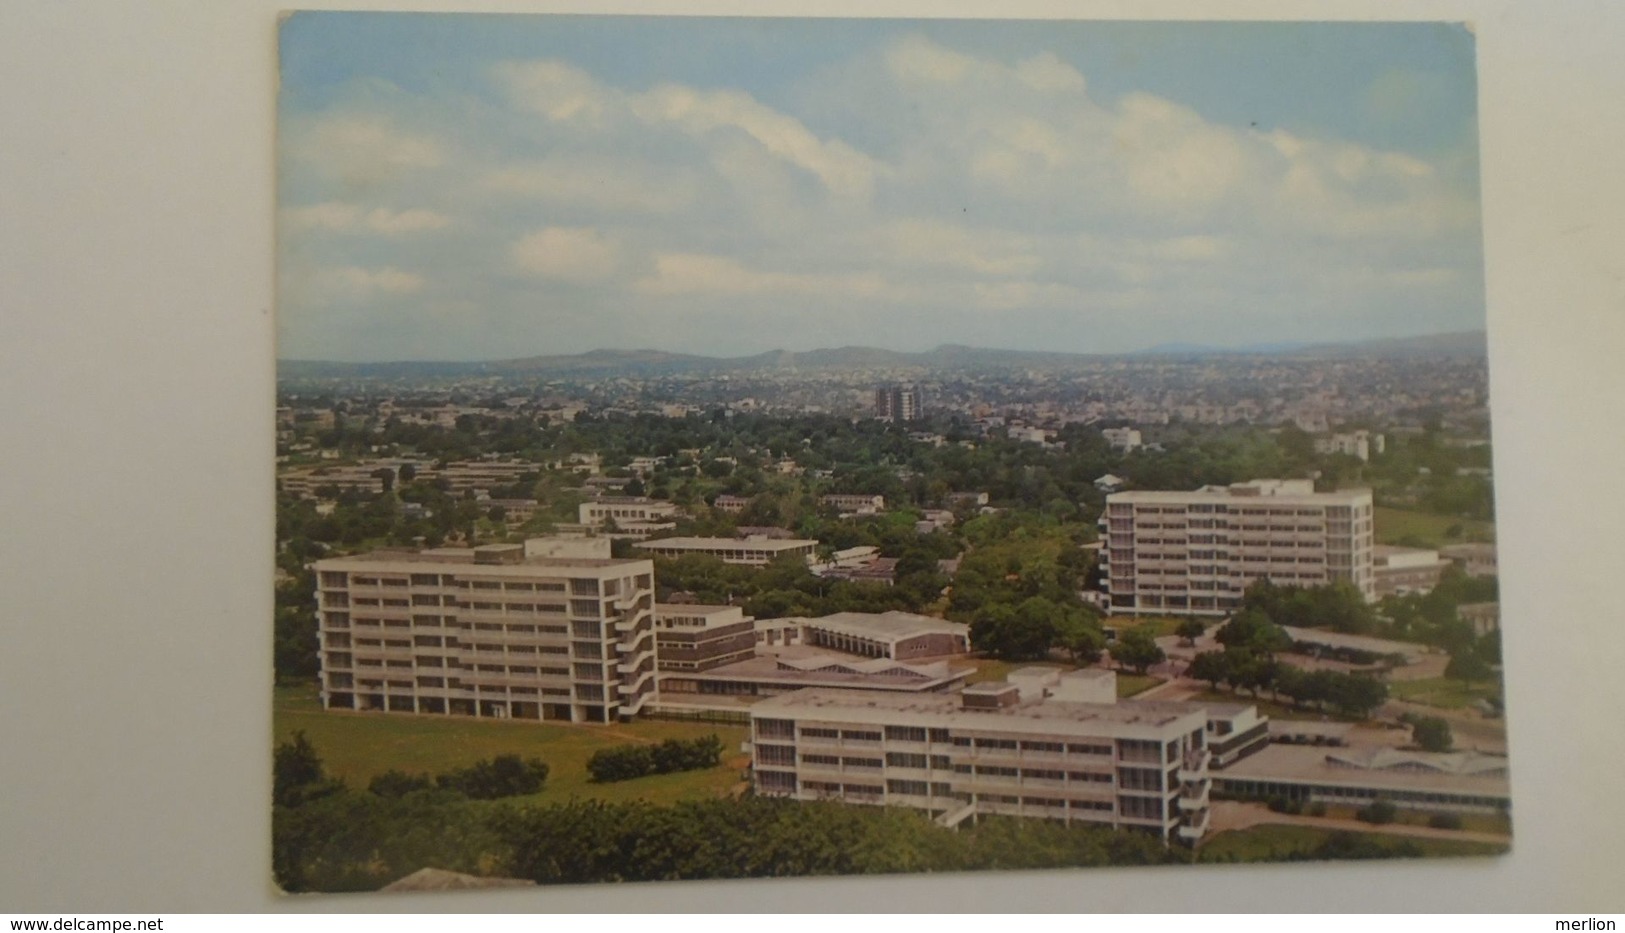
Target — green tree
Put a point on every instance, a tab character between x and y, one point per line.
297	775
1191	629
1137	648
1211	666
1431	733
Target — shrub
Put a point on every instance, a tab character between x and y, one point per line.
1378	812
1317	809
395	783
628	762
502	776
1445	821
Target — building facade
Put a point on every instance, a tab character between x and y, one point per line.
1195	553
1404	570
487	632
989	749
897	403
693	637
756	552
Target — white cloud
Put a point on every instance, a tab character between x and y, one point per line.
567	95
843	170
579	255
1172	157
340	217
333	286
363	149
707	274
930	243
609	183
563	93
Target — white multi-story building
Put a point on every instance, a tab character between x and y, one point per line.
1126	440
633	517
861	503
1050	747
488	632
1194	553
1360	444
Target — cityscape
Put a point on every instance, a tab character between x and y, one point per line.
628	559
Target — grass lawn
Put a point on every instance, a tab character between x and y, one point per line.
1269	843
356	746
1394	524
1443	692
1130	684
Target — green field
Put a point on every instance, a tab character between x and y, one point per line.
1130	684
1443	692
1270	843
357	746
1428	528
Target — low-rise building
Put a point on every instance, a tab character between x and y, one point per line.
1476	558
899	636
1360	444
692	637
859	503
632	517
1403	570
753	551
730	503
735	686
1435	781
1483	617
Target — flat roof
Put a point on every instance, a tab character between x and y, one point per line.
822	670
1311	765
463	559
692	609
727	544
1226	495
889	625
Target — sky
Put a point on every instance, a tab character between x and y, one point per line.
468	187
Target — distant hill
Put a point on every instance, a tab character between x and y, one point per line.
604	363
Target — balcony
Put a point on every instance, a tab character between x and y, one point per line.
1195	831
1193	803
1193	767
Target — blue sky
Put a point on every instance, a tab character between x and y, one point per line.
474	187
